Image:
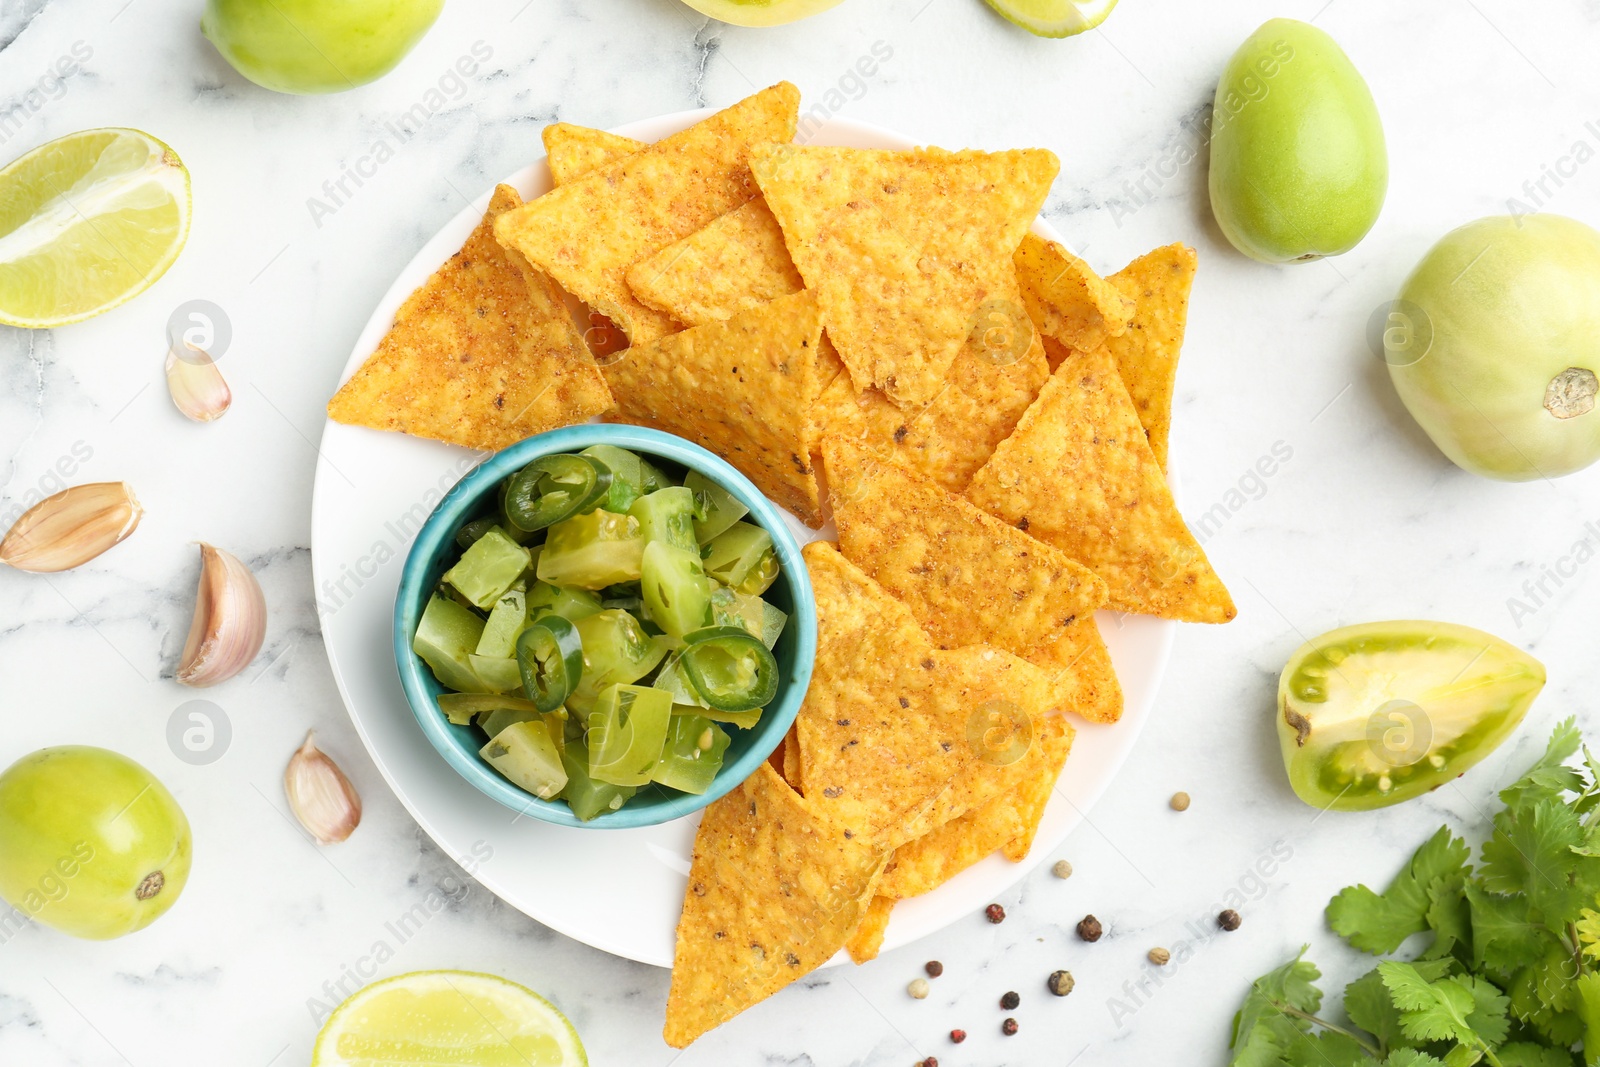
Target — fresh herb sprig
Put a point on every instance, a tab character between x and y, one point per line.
1511	976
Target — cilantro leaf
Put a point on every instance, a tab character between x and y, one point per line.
1488	1019
1587	990
1367	1003
1430	1011
1547	779
1448	916
1378	923
1262	1032
1503	937
1531	853
1410	1057
1524	1054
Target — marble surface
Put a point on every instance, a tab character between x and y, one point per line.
1363	519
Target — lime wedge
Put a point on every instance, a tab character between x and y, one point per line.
1055	18
438	1017
88	222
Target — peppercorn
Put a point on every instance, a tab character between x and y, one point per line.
995	913
1060	982
958	1036
1008	1027
1160	956
1061	869
1089	928
1229	920
918	988
930	1062
934	968
1179	801
1010	1001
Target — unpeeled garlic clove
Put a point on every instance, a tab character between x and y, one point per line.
71	528
320	796
197	386
230	621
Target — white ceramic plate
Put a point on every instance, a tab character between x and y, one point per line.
618	890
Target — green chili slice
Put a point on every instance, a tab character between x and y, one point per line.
553	488
730	668
550	657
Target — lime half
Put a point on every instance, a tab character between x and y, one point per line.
439	1017
1055	18
87	222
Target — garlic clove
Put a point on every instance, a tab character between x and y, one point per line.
230	621
320	796
71	528
197	386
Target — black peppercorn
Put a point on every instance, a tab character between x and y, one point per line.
1089	928
1229	920
1010	1001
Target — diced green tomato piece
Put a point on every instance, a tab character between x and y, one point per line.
615	650
449	592
555	488
626	733
571	604
730	668
498	720
676	591
740	552
744	720
487	569
593	551
692	754
469	534
729	607
715	509
524	753
498	674
1377	713
773	620
760	577
506	620
446	635
586	796
550	659
672	680
627	475
653	479
462	708
667	515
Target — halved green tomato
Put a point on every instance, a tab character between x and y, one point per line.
550	657
1374	714
730	668
553	488
626	734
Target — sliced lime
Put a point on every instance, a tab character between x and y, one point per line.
438	1017
87	222
1055	18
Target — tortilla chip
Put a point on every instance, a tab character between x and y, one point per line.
902	285
1082	677
775	888
744	388
1078	474
734	264
898	737
482	355
949	439
1147	353
792	772
573	151
968	578
587	233
1067	299
930	861
867	939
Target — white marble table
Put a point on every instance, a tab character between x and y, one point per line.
1363	521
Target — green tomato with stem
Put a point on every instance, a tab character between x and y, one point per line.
1494	346
316	46
91	843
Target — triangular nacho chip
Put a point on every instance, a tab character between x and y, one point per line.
968	578
775	888
734	264
1082	678
867	938
1066	298
1078	474
482	355
1158	283
1033	796
898	737
588	232
573	151
902	285
745	388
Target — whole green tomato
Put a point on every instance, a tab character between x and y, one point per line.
1494	345
316	46
91	843
1299	167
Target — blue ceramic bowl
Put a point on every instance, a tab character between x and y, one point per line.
475	495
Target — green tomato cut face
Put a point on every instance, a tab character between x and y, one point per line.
1374	714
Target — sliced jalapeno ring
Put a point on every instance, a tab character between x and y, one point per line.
730	668
553	488
550	657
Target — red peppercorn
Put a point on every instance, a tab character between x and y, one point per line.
995	913
958	1036
1008	1027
